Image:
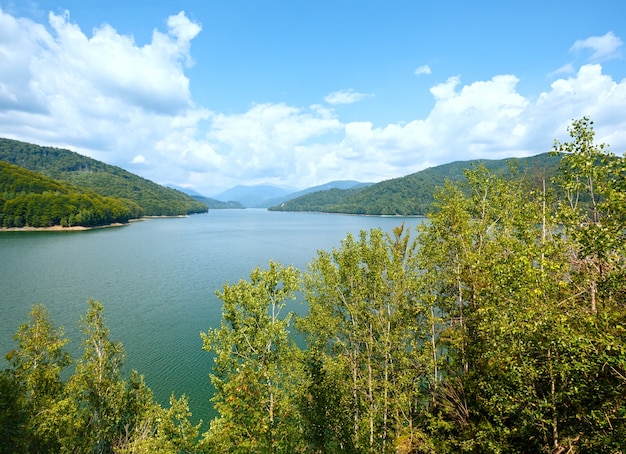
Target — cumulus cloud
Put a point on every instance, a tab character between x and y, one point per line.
129	105
139	159
482	119
344	97
112	65
602	47
485	119
182	28
424	69
267	142
20	40
102	95
62	68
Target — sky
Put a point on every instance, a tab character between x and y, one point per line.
207	94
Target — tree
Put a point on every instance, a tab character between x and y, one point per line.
594	211
154	428
37	364
97	390
14	416
96	410
531	362
361	299
593	216
256	365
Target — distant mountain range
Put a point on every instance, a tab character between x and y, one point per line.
84	179
413	195
252	196
265	196
213	204
218	204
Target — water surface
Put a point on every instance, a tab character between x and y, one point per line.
157	280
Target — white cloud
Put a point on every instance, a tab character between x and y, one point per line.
590	92
344	97
602	47
72	76
567	68
184	29
21	40
139	159
130	105
267	142
112	65
424	69
102	95
484	119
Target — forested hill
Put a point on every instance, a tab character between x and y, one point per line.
413	194
30	199
104	179
218	204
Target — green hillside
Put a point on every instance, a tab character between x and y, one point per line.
325	200
413	194
30	199
217	204
104	179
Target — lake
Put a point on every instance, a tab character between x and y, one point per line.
157	279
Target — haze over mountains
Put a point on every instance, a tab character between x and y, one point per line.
265	196
408	195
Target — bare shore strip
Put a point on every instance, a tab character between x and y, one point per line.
60	228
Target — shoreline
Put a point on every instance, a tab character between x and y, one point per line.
60	228
80	228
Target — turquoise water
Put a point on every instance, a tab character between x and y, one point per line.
157	280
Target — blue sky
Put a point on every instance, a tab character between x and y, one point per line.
210	94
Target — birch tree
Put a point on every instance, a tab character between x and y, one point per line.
37	365
256	365
360	297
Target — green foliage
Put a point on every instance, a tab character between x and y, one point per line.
217	204
255	373
525	341
594	211
14	415
103	179
97	388
94	411
500	328
37	365
412	195
161	430
29	199
360	299
317	201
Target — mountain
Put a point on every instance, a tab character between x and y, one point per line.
187	191
208	201
412	194
323	201
30	199
104	179
217	204
252	196
341	184
265	196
